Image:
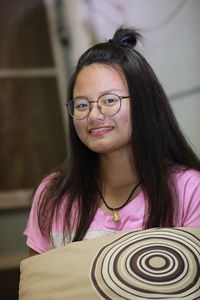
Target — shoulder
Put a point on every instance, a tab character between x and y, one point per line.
187	182
47	180
43	186
39	193
186	178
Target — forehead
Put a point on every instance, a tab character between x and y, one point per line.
100	78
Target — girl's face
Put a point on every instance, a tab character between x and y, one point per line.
103	134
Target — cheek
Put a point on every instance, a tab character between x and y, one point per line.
124	120
79	127
76	125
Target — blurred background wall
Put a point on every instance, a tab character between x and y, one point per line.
41	41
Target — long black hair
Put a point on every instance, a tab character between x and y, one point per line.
158	146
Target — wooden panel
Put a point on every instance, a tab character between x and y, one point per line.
15	199
24	34
31	131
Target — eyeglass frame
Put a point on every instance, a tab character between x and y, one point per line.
120	97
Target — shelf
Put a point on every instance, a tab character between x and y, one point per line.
15	199
12	261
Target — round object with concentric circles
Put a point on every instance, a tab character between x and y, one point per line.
149	264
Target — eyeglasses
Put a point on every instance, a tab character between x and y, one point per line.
108	104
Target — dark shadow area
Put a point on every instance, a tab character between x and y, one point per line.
9	284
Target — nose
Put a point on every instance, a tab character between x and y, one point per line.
95	112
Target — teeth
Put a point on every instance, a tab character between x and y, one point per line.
101	129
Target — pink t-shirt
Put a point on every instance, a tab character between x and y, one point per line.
132	215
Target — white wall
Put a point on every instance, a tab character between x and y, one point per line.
171	31
79	39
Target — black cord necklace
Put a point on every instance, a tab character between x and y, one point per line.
116	217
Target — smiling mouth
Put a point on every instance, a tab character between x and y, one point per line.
100	130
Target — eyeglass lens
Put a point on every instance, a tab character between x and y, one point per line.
108	105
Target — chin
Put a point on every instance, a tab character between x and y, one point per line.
108	148
99	148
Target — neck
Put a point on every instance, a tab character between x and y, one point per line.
118	170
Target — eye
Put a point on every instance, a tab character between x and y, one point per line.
81	106
110	101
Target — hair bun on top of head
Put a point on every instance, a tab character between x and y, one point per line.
125	37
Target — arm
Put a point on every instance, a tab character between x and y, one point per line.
35	240
32	252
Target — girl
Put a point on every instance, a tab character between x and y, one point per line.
129	166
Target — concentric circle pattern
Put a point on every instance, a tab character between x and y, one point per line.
149	264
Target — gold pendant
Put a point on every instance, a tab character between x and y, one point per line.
116	217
